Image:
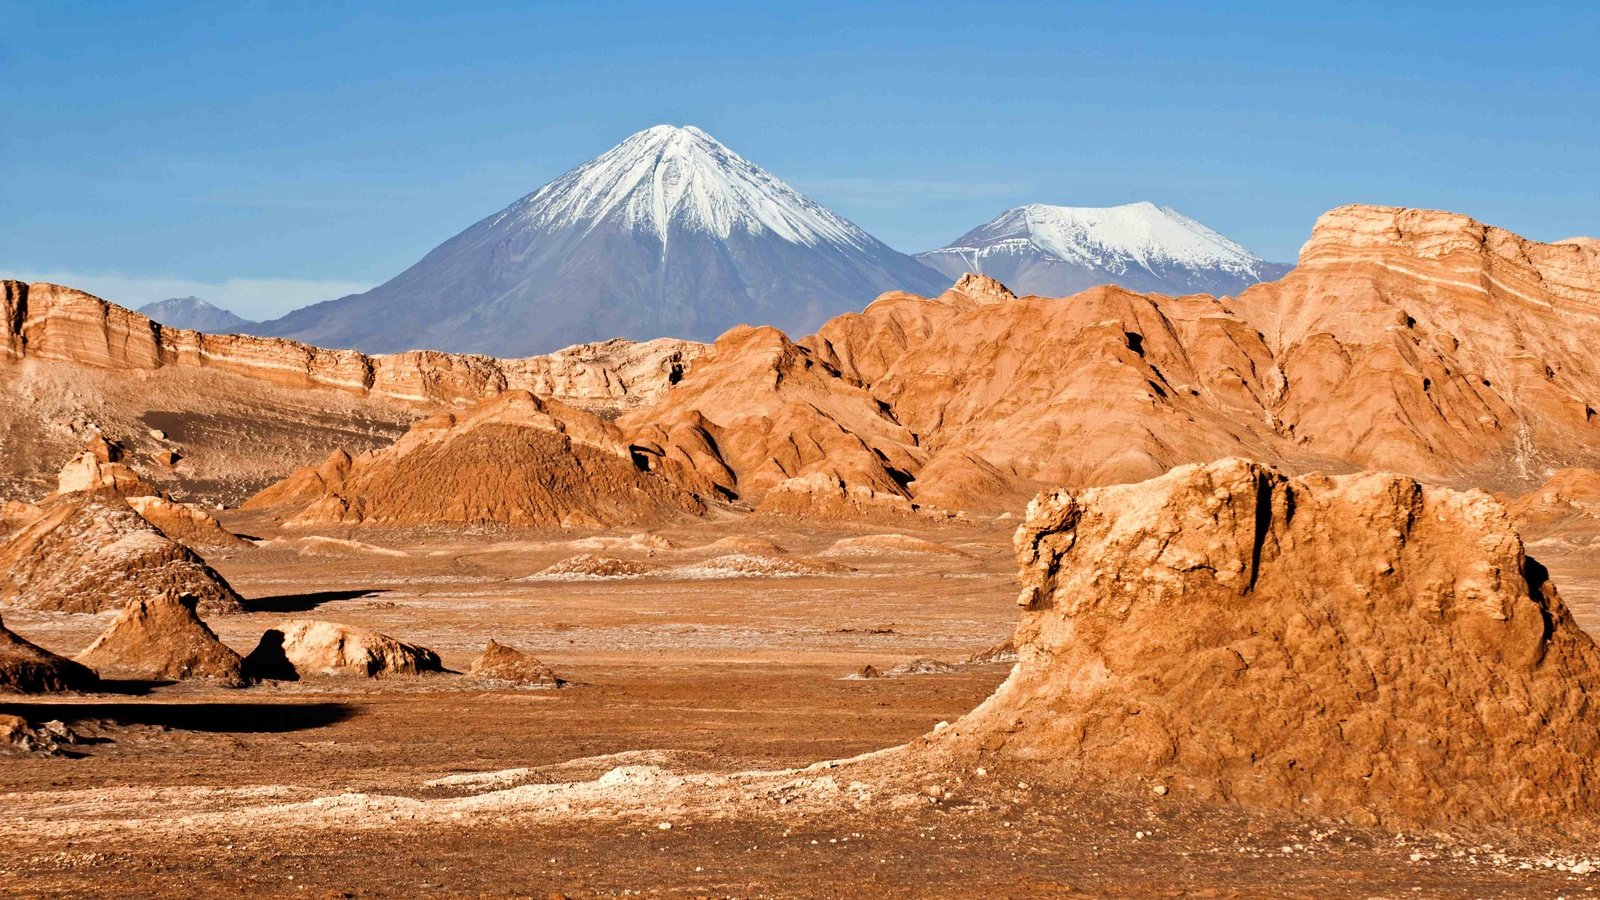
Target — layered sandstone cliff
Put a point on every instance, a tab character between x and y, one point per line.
48	321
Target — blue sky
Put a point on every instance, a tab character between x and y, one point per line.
272	154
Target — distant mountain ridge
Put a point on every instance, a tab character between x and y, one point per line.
668	234
194	314
1054	251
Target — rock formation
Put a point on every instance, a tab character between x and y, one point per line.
303	486
99	470
1404	339
88	553
1568	494
16	515
243	411
763	413
161	638
503	663
303	648
1356	646
47	738
27	668
52	322
585	566
513	460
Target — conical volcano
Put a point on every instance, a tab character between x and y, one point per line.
669	233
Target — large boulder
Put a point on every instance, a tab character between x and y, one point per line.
161	638
91	552
303	648
27	668
1358	646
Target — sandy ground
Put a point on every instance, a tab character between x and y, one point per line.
711	706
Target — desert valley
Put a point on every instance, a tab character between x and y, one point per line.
1287	590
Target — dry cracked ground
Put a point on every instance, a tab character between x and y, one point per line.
711	744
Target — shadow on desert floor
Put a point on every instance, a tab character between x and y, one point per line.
293	603
240	718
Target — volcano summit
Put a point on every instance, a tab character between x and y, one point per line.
668	233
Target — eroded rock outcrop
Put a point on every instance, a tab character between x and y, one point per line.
503	663
162	638
304	648
89	552
27	668
1358	646
513	460
304	485
760	411
99	470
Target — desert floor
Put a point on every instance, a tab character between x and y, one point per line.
703	704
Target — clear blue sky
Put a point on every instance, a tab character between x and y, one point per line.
277	153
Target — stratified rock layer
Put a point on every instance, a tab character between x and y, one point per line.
241	411
1357	646
1406	340
1410	340
161	638
52	322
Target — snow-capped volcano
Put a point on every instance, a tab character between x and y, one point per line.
666	176
669	233
1057	250
194	313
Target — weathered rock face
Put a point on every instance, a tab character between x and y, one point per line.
89	552
504	663
161	638
1357	646
27	668
16	515
100	468
513	460
46	738
1568	494
303	486
761	411
303	648
186	524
